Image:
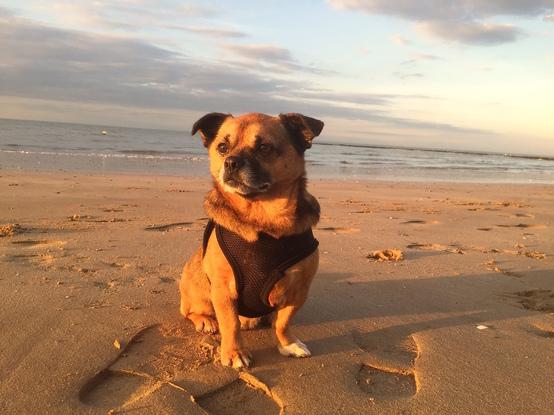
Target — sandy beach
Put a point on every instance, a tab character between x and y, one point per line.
463	324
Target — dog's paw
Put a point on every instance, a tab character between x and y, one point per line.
238	358
204	324
249	323
296	349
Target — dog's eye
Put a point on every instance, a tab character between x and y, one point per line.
222	148
264	148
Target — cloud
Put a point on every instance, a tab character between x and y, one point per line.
420	10
425	57
485	68
420	57
344	98
197	10
45	63
263	52
461	21
209	31
472	32
408	75
5	12
110	16
271	57
400	40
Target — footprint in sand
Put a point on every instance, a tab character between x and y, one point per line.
536	300
111	389
385	385
163	228
105	285
119	265
143	367
524	226
246	396
454	249
492	265
339	229
419	222
43	260
179	190
29	243
171	368
542	332
524	215
388	373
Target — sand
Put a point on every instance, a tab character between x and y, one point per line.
462	323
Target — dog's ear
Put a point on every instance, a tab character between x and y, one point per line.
208	126
301	129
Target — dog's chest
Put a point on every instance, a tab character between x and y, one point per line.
258	265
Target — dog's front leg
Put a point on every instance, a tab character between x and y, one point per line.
289	345
232	352
288	295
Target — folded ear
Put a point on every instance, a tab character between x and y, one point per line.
301	129
208	126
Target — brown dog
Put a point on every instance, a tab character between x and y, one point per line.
260	207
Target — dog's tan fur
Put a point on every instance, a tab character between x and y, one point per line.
208	290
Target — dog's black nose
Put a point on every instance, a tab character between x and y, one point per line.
233	163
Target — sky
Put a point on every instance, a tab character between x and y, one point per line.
467	75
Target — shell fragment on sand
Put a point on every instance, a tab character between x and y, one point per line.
387	255
11	229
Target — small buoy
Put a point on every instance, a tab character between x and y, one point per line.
104	132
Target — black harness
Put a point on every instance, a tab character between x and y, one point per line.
258	265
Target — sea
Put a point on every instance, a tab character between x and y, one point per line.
52	146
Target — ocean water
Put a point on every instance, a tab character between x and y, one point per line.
37	145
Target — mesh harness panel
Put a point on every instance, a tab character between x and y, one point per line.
258	265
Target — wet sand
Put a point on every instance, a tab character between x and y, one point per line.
462	322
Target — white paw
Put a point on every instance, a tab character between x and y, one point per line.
296	349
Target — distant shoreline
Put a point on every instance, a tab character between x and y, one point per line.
106	128
47	146
438	150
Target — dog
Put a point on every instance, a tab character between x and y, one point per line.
258	256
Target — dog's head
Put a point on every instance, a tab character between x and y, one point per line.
254	154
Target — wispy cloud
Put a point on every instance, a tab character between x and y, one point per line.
461	21
270	53
208	31
400	40
4	12
408	75
109	16
272	57
485	68
448	10
421	57
472	32
119	71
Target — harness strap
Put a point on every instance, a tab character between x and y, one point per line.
257	266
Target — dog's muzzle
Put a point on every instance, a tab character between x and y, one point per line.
244	176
